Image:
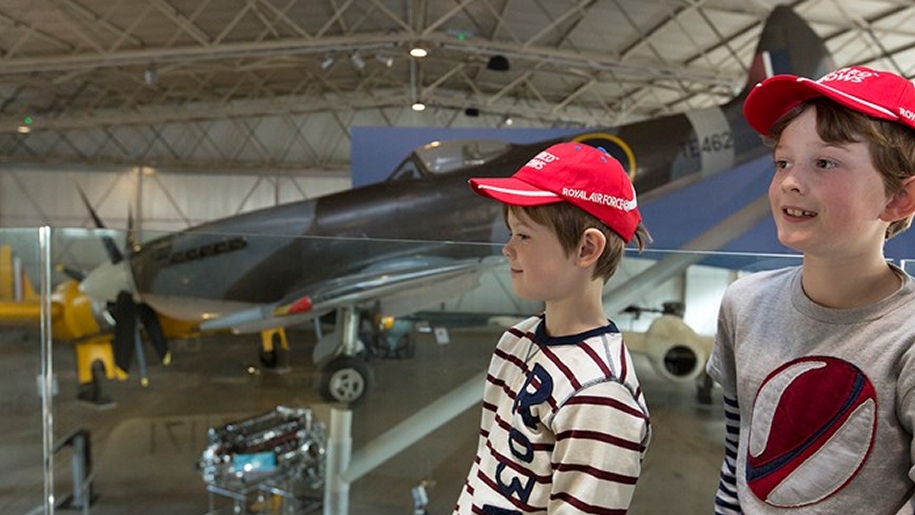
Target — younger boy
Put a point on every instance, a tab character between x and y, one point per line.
816	362
564	426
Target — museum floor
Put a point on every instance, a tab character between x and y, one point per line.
144	450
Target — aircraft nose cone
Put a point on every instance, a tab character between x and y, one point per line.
105	281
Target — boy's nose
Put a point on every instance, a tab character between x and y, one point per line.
505	250
791	180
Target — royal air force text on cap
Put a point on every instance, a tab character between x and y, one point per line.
599	198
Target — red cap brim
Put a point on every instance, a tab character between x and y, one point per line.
775	96
509	190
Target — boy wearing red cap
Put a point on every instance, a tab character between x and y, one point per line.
565	425
816	362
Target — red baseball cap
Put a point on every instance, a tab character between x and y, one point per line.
876	93
571	172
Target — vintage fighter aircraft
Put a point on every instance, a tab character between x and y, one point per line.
417	238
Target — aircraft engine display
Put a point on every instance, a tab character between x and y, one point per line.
676	352
282	444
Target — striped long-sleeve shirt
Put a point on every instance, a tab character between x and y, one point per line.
564	426
726	502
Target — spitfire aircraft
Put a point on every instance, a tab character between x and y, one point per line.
390	247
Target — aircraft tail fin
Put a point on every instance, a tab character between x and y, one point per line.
14	283
787	45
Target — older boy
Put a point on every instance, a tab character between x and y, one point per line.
564	426
817	362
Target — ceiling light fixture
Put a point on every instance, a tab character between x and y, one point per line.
357	60
327	62
418	106
419	52
26	126
385	59
150	75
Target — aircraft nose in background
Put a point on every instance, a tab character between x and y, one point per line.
105	281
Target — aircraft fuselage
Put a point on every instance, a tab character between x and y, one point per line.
263	255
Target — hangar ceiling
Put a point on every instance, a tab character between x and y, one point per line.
274	86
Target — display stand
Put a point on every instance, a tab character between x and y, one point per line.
274	498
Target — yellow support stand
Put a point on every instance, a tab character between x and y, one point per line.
90	350
268	341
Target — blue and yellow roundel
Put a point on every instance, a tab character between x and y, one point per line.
614	146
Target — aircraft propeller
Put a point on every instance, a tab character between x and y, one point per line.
129	315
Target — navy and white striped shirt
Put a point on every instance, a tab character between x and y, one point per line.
564	428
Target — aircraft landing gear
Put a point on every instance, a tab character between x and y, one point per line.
92	392
95	364
346	379
274	350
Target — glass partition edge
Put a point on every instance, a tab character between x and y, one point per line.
47	368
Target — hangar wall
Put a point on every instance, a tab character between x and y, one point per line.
32	197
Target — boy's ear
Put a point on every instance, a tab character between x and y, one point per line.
591	247
902	204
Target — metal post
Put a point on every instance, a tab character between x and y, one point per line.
339	448
81	466
47	369
82	489
415	427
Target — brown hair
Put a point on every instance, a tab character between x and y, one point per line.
570	222
892	146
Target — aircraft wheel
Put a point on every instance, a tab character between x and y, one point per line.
268	358
346	379
92	391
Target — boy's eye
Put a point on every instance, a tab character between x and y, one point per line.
782	164
826	164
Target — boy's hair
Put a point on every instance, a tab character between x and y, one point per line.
569	223
891	145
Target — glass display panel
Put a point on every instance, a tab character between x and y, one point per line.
241	418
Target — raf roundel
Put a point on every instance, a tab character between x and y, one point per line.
813	426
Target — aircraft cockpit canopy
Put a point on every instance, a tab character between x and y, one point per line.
441	157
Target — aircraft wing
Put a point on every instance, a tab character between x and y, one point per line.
399	287
21	313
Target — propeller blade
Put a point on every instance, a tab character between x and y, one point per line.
132	244
154	332
72	273
114	254
125	325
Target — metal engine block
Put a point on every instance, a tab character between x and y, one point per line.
278	446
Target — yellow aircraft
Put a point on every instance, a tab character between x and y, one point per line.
74	320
